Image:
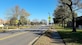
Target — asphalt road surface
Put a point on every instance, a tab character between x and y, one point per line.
22	36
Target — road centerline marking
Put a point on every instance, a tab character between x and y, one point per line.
10	36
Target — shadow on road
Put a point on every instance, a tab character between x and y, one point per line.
16	31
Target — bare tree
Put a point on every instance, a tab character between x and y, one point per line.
43	21
24	13
23	17
35	22
13	12
17	13
73	6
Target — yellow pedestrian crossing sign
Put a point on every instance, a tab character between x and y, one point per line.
49	18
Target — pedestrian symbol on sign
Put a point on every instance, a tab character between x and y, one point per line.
49	19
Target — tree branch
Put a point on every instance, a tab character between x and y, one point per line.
77	9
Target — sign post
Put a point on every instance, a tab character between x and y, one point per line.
49	19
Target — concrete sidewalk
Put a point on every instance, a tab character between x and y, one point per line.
52	39
57	40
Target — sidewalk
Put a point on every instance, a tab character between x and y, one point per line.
55	39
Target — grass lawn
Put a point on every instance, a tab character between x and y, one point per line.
69	37
4	29
15	27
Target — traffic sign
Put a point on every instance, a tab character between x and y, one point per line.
49	18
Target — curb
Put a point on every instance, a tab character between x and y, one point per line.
33	41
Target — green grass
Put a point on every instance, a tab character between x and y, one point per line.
56	26
22	27
4	29
15	27
69	37
1	31
12	27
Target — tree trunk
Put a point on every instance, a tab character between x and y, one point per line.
73	18
74	24
64	23
59	24
73	21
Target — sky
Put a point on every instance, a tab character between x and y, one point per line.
38	9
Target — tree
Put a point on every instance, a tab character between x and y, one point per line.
13	21
73	6
43	21
61	14
24	13
28	21
13	12
23	17
35	22
23	20
19	14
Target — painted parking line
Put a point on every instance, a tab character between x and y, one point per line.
7	37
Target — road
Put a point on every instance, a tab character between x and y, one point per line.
22	36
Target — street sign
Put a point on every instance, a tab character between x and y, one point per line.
49	18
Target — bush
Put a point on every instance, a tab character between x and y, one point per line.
2	31
56	26
22	27
12	27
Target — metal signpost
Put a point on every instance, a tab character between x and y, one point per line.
49	20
